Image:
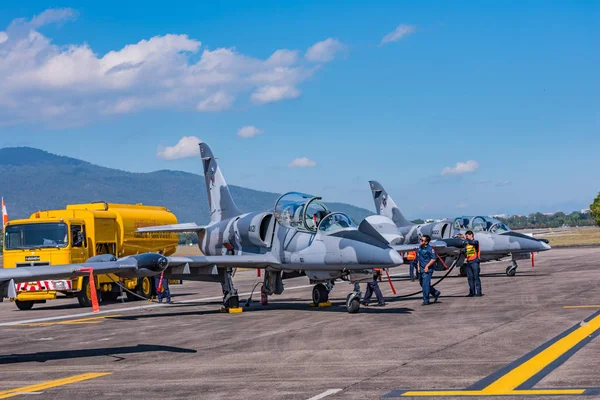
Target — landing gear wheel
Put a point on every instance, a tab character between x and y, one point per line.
462	271
320	294
24	305
84	296
232	302
353	305
511	270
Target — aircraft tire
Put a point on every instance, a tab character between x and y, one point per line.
353	306
511	271
24	305
233	302
320	294
463	270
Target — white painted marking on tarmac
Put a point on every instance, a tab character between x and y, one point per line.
29	321
22	393
325	394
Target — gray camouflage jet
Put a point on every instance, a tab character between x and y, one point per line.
300	236
496	240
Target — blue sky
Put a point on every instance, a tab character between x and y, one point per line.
513	88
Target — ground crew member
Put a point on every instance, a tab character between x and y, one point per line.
373	286
411	256
425	259
162	290
472	250
162	286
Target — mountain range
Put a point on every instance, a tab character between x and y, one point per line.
33	179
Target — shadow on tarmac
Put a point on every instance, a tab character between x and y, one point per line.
336	307
105	351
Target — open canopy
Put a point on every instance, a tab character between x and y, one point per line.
306	212
480	224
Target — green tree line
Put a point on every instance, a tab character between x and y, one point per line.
557	220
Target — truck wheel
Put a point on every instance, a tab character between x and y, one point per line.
24	305
145	287
84	296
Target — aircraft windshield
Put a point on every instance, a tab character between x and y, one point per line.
480	224
300	211
29	236
334	222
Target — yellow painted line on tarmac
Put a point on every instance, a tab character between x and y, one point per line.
51	384
523	372
81	321
592	306
518	380
479	393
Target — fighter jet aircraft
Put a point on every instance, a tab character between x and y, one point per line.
496	240
300	236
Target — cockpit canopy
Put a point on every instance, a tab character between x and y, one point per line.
480	224
307	213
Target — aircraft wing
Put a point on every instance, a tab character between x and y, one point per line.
241	261
441	246
187	227
28	274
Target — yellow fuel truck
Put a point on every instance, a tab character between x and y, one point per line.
77	233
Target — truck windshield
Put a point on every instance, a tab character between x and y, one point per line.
32	236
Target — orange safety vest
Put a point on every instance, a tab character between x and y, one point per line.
411	255
472	253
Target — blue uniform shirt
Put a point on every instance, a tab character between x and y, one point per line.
424	255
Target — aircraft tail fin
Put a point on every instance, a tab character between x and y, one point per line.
385	205
220	201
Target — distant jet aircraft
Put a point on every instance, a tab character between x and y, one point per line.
300	236
496	240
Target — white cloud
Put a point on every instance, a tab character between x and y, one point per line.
503	183
461	168
217	102
302	162
462	204
324	51
170	71
400	32
269	94
188	146
52	15
249	131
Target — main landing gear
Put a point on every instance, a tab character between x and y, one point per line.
320	293
230	294
511	270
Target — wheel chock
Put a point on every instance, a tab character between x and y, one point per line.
236	310
324	304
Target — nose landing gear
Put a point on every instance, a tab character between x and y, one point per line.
353	300
511	270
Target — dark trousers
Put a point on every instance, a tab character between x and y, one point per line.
473	278
373	286
412	268
428	290
165	286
